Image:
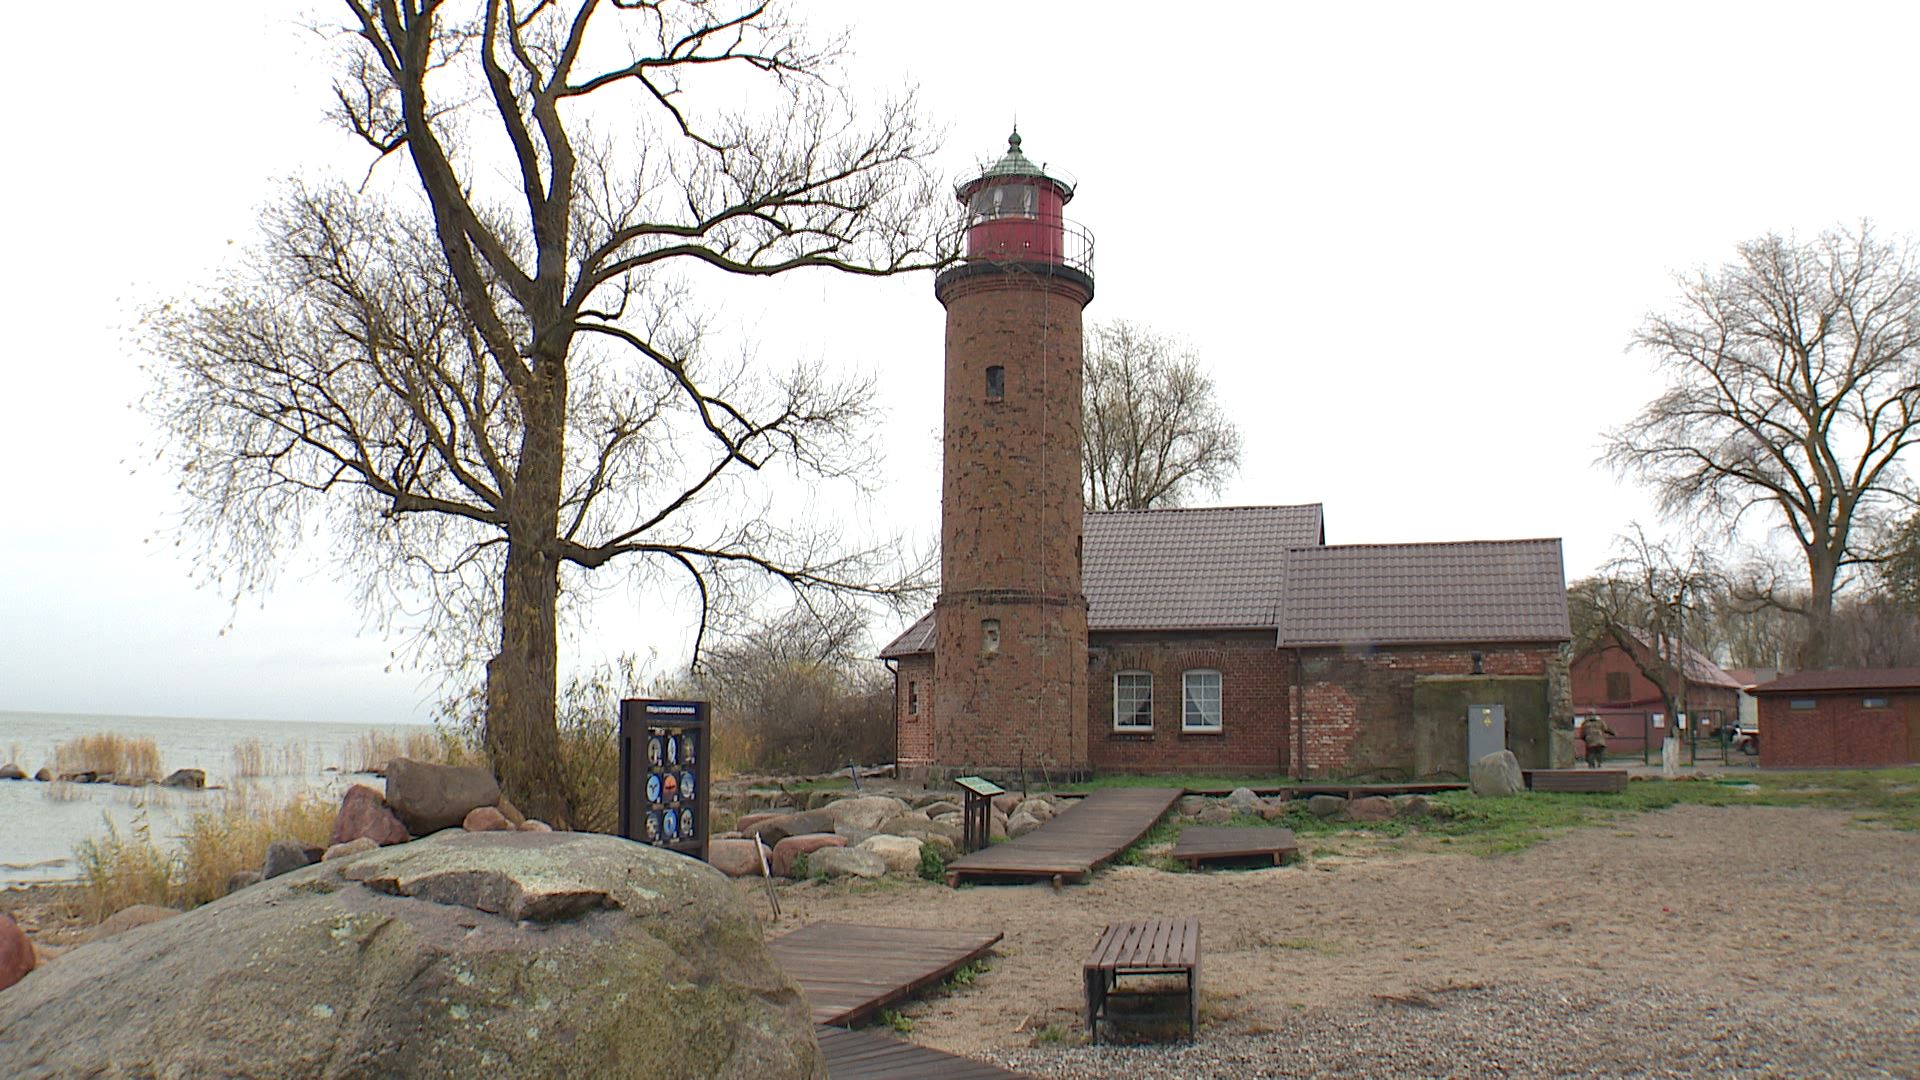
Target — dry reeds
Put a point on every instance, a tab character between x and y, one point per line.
129	760
62	791
733	747
257	757
372	751
121	869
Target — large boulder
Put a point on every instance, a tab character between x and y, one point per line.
1215	814
1412	806
865	812
464	954
486	819
10	771
1370	808
428	798
774	830
16	955
1243	801
1037	808
900	853
1497	774
192	779
839	862
792	847
936	807
283	857
1326	806
1020	824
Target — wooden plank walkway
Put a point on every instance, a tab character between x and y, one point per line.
1073	844
865	1055
850	971
1345	791
1204	843
1576	780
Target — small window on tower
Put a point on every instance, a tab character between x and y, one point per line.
996	383
989	636
913	698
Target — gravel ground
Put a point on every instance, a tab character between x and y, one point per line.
1698	941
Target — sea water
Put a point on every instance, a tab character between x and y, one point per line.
38	831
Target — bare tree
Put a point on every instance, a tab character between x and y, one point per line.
1646	601
1793	387
1154	433
502	381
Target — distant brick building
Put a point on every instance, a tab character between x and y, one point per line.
1228	640
1858	718
1608	683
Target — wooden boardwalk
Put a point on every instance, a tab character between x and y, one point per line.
865	1055
1205	843
1591	781
1073	844
850	972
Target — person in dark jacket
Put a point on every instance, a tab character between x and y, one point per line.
1594	732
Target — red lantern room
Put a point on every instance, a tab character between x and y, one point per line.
1015	215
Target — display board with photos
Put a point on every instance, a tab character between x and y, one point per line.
663	774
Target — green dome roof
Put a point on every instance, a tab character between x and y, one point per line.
1015	163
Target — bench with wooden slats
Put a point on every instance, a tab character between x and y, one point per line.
1156	946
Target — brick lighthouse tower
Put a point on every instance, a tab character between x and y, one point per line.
1010	650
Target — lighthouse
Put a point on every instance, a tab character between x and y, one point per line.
1010	648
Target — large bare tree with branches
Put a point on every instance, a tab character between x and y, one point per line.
1793	388
1154	433
498	377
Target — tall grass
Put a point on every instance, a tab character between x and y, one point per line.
123	868
130	760
372	751
257	757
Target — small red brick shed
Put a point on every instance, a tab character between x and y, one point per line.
1857	717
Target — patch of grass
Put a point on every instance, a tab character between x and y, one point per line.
933	865
1054	1034
1184	780
824	783
129	759
965	974
122	869
896	1020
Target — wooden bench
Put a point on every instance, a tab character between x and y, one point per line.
1157	946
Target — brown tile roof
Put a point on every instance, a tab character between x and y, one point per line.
1486	590
1899	678
1213	568
1699	668
917	638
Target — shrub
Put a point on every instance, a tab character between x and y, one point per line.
933	865
130	760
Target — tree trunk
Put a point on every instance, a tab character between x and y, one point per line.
522	736
1814	648
1670	745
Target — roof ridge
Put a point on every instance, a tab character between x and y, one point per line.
1429	544
1208	509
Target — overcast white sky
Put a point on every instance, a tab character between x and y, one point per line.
1410	241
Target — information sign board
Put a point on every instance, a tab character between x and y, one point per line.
664	756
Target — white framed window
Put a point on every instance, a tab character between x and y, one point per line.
1873	703
1133	701
1200	700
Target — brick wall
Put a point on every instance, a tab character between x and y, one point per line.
913	710
1255	678
1839	730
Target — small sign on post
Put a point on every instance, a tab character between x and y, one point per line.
977	818
664	756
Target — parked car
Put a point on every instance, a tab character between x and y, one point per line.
1747	741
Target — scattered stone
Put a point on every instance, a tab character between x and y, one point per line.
364	812
865	812
1370	808
1326	806
1039	809
16	952
1497	774
940	806
10	771
464	954
283	856
1217	814
192	779
1412	806
1007	801
349	849
428	798
839	862
535	825
511	812
774	830
1021	823
44	775
956	819
1191	805
734	858
486	819
240	879
129	918
1243	801
900	853
1273	809
792	847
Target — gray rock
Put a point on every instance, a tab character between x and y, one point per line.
1497	774
773	830
1274	809
130	918
1215	814
900	853
853	834
1243	801
1370	808
928	800
192	779
1039	809
1326	806
955	819
428	798
464	954
839	862
1191	805
240	879
283	857
1412	806
1007	801
1022	823
10	771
